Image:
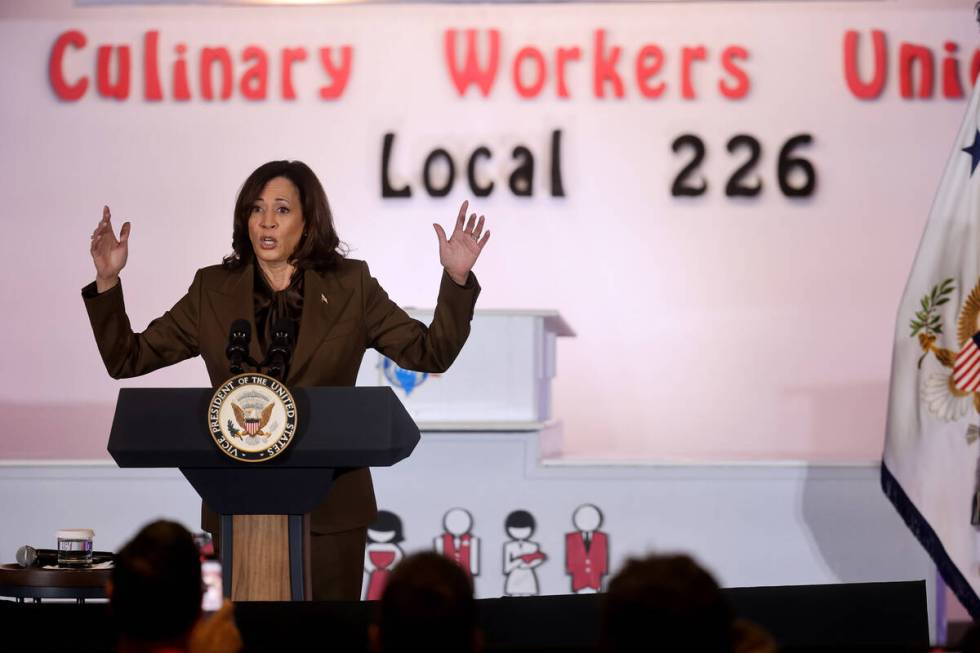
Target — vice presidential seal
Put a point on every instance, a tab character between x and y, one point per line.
252	417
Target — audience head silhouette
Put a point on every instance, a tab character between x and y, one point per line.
669	603
427	605
155	588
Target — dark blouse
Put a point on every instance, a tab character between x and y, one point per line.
272	305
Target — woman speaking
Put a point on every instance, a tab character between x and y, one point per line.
287	263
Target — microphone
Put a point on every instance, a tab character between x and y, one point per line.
28	556
238	341
281	349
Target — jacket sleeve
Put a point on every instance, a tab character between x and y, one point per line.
408	342
169	339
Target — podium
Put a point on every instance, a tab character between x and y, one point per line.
510	355
264	506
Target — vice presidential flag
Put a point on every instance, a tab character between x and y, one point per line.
931	465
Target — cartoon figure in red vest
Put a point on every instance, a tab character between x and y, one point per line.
587	551
382	553
521	555
457	543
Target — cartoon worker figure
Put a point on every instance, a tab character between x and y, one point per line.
457	543
521	555
586	551
382	553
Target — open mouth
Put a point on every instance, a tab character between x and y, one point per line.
268	242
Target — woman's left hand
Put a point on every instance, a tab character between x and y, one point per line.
458	253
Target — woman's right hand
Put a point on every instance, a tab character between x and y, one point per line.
108	253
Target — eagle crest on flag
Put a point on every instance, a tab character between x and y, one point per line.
952	392
251	420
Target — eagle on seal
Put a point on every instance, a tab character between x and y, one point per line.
250	422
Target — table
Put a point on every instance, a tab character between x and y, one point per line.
37	583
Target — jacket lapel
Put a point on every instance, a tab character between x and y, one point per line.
324	302
234	300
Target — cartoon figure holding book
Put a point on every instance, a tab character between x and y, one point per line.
521	555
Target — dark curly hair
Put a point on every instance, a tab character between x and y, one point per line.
319	248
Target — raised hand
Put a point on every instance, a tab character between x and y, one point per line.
459	252
108	253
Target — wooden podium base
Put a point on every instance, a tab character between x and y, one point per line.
266	557
260	567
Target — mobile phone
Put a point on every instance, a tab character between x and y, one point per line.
213	595
205	544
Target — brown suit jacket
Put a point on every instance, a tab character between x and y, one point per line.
345	311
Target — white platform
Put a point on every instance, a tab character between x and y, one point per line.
752	524
501	379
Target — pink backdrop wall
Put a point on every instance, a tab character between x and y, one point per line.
708	329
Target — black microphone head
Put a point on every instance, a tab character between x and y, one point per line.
284	330
26	556
238	341
241	330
